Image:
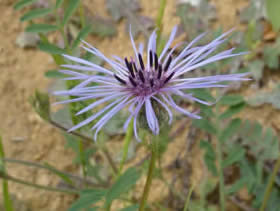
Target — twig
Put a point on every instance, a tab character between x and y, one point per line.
13	179
37	165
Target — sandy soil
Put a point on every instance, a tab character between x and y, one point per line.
27	137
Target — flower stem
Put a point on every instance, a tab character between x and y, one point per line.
159	24
6	195
269	186
82	15
150	175
187	203
220	163
82	158
221	175
160	17
127	141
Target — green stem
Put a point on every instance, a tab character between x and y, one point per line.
13	179
5	188
65	40
159	23
221	175
127	141
220	163
187	203
82	157
270	184
150	175
82	15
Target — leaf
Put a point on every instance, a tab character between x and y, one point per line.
230	130
41	104
50	48
237	186
256	68
71	7
82	34
206	110
231	100
36	13
271	57
272	9
58	3
232	110
271	97
205	125
271	54
235	155
59	60
54	74
62	117
198	16
117	9
202	94
124	183
209	157
23	3
87	198
115	125
254	11
40	28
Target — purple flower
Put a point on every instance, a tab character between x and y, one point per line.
135	84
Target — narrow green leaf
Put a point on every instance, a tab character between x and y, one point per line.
230	130
41	104
87	198
23	3
50	48
272	9
72	6
232	110
54	74
205	125
209	157
41	28
58	3
231	100
202	94
82	34
237	186
125	182
235	155
59	60
37	13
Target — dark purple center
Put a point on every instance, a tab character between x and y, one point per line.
146	80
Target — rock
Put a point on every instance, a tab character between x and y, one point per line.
27	40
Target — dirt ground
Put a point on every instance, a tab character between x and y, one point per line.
25	135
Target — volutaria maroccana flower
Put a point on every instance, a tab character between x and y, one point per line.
135	84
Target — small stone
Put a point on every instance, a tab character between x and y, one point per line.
27	40
18	139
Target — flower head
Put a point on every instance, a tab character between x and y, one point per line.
133	83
